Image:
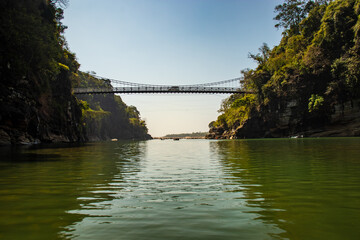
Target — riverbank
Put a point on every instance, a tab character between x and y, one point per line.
173	138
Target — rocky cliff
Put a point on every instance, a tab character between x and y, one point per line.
37	71
343	121
29	115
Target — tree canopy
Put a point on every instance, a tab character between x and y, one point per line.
315	66
292	12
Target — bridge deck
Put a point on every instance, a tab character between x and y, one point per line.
159	89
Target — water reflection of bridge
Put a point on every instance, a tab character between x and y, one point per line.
223	87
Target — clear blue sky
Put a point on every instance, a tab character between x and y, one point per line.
170	42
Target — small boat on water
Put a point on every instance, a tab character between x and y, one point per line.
114	140
176	139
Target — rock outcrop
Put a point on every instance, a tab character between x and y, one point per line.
28	117
344	121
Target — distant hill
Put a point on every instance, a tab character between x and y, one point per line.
187	135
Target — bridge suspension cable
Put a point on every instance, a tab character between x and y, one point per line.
124	83
131	87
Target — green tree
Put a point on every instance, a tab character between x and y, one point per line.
292	12
315	66
263	56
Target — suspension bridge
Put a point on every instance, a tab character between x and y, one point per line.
230	86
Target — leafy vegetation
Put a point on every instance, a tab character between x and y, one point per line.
37	71
235	110
315	66
106	116
36	103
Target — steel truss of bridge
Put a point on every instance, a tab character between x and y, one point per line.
221	87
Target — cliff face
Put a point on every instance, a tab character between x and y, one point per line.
28	115
343	121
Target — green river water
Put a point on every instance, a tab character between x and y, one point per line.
187	189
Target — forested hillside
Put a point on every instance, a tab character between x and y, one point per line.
308	85
106	116
37	70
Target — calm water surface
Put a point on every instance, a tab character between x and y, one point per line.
187	189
